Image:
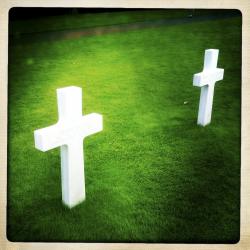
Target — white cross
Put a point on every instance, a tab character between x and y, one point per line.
68	133
206	80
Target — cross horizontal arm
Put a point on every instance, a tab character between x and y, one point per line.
48	138
208	76
59	134
91	124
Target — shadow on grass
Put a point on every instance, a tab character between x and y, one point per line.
203	202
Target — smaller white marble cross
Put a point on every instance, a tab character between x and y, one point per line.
206	80
68	134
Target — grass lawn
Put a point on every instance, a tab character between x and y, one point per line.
152	174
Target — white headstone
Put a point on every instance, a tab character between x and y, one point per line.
68	133
206	80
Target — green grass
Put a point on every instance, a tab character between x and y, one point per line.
88	20
152	174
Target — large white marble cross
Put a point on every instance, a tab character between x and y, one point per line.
68	133
206	80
